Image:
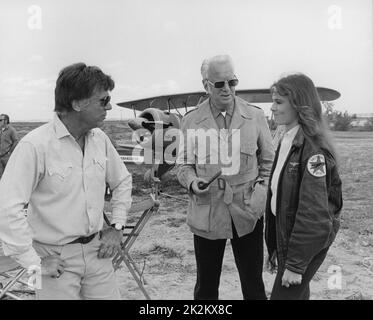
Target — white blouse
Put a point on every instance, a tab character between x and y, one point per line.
285	147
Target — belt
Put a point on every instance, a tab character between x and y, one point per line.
84	240
227	182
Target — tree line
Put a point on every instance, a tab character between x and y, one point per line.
342	121
337	120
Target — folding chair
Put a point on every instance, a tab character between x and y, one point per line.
131	232
7	266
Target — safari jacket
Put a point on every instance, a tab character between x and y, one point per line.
232	196
308	204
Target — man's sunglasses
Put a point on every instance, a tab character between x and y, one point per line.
221	84
104	101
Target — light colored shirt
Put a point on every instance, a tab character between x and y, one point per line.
286	142
63	187
223	118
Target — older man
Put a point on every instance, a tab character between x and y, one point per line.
226	133
8	141
60	170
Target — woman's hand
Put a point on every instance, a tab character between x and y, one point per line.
271	263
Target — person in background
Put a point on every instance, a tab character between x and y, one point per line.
60	170
8	141
232	206
304	199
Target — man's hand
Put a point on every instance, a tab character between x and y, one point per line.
52	266
149	177
258	199
110	243
197	190
289	278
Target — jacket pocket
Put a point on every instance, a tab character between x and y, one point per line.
255	199
199	212
247	157
290	220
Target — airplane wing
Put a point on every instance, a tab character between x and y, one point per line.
183	100
191	99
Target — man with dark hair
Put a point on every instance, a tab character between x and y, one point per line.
60	170
8	141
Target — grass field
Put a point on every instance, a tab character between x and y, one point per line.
165	248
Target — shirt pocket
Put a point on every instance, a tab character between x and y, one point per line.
100	164
248	157
58	174
99	170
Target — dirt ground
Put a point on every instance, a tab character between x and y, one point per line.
164	249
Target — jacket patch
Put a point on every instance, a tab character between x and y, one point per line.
316	165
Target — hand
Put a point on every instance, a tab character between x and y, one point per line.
52	266
289	278
149	177
197	190
110	243
271	263
258	199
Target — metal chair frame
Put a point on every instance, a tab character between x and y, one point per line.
131	233
7	265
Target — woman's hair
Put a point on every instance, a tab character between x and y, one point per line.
78	81
303	97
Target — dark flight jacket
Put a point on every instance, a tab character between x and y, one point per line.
309	202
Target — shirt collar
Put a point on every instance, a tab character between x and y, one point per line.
290	135
215	111
61	130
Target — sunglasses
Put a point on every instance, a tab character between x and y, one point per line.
104	101
221	84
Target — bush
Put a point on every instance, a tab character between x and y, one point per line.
368	126
342	121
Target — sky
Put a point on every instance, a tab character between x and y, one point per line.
156	47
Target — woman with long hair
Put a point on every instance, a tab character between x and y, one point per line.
304	195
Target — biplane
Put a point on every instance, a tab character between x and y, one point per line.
160	115
165	112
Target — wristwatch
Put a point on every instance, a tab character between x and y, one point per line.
117	226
